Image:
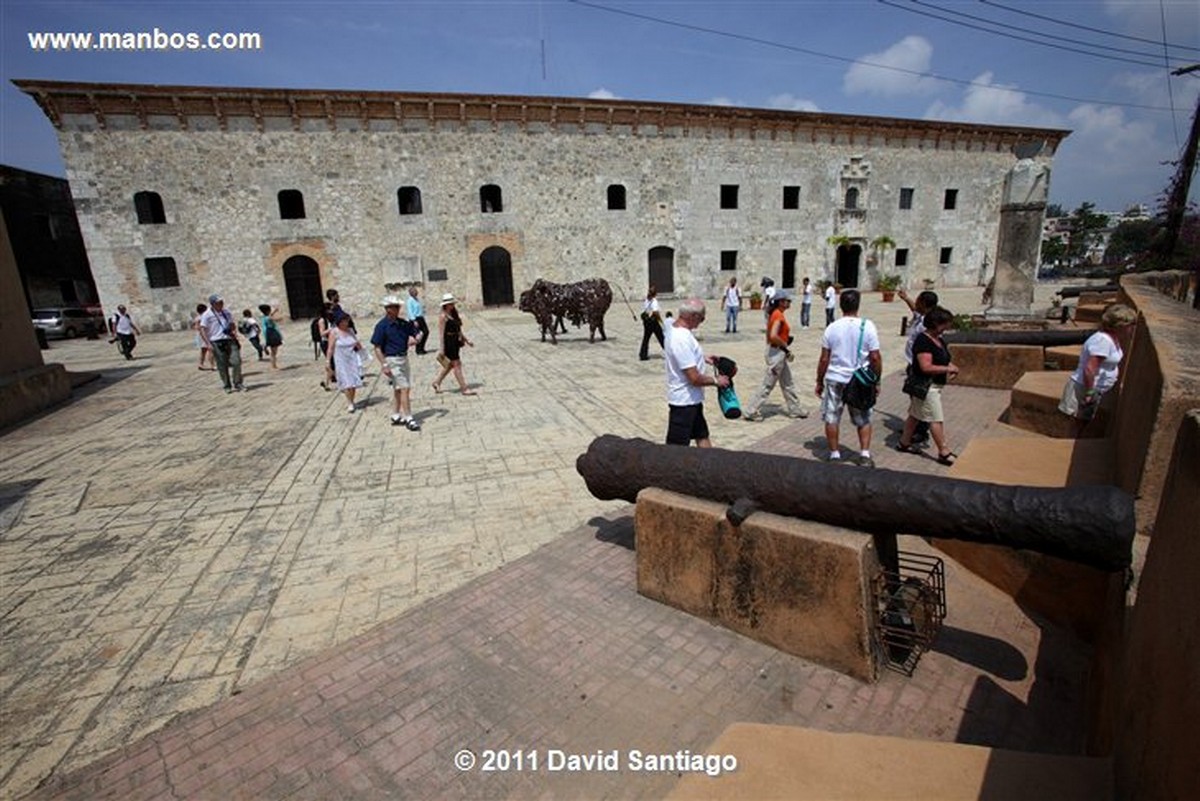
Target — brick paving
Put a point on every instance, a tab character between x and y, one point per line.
337	607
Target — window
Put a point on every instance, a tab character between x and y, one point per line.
901	257
791	197
149	208
944	259
789	269
951	201
728	259
161	272
729	193
490	201
409	200
616	197
906	197
291	204
852	198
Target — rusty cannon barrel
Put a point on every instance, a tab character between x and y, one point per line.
1090	525
1000	336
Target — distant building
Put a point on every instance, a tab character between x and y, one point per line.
272	195
51	258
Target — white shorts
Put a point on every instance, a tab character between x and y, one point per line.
401	374
832	405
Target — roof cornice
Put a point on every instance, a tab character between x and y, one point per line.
141	101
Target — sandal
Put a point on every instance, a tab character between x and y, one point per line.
949	457
900	446
436	388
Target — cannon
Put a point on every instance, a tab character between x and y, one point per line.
1091	525
995	336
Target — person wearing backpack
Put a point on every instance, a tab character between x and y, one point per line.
270	329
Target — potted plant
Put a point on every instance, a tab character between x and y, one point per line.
755	300
888	284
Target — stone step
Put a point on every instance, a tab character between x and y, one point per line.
1062	357
1034	405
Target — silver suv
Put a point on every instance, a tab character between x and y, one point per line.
69	321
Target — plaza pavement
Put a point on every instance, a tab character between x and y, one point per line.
378	598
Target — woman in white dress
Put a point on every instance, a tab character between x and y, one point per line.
343	349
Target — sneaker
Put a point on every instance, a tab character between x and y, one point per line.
228	390
240	388
413	425
800	415
397	420
866	461
352	408
753	417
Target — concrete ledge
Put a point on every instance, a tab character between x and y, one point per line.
1062	357
799	586
1090	312
1034	406
1070	594
27	392
995	366
781	762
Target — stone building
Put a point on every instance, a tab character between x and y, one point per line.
275	195
51	258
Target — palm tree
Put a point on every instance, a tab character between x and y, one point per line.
881	244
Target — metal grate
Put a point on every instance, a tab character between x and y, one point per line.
909	609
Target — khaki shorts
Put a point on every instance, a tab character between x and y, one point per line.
1072	404
401	374
929	408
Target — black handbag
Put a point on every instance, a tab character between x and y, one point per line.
917	384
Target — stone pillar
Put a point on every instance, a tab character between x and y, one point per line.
1026	188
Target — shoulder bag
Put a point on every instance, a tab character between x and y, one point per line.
860	391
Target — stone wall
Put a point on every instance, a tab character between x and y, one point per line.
219	185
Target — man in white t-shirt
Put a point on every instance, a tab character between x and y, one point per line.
126	331
846	345
806	303
686	378
219	333
830	303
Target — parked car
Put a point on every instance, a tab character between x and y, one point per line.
69	321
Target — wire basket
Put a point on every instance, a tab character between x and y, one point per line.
910	606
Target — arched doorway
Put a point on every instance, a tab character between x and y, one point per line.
848	257
662	269
495	273
302	280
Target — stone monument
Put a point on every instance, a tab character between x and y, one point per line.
1022	210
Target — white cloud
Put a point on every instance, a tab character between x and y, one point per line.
996	104
877	73
789	102
719	101
602	94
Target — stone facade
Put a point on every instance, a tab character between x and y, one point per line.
218	159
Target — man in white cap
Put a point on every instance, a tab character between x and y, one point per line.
393	334
219	333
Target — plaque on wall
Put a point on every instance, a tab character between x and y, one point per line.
438	275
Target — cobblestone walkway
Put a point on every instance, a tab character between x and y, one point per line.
164	547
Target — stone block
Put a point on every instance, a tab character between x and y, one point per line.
1089	313
799	764
1070	594
24	393
995	366
800	586
1034	406
1062	357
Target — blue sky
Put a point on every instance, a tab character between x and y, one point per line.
873	57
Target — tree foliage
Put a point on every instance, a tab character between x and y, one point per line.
1130	238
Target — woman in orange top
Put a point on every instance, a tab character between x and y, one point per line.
779	371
